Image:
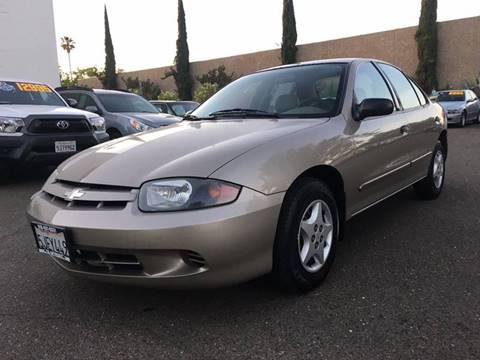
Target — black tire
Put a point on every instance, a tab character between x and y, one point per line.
288	270
429	188
114	133
478	117
463	121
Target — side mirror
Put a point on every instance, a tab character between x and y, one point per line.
94	109
373	107
72	102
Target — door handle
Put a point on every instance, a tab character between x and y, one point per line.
404	130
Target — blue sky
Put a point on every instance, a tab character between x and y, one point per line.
144	31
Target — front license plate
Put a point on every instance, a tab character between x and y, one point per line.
65	146
52	241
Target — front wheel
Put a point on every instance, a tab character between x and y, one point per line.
431	187
307	234
463	121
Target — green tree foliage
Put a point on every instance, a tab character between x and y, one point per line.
204	92
427	44
146	88
289	38
80	74
168	95
181	71
110	80
216	76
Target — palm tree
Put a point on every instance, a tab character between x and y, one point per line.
68	44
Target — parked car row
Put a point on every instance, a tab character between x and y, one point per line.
41	125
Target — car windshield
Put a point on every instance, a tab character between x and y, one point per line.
451	96
126	103
21	93
181	109
299	91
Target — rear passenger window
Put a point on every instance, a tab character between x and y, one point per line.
369	84
419	94
404	89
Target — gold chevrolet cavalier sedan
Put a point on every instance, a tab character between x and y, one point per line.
259	179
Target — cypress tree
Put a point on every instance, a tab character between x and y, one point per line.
427	44
181	71
110	80
289	38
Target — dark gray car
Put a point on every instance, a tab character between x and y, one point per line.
125	113
461	106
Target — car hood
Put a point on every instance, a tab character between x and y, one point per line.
22	111
194	149
154	120
452	105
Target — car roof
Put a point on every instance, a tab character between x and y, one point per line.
324	61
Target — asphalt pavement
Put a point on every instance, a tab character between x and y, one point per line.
405	285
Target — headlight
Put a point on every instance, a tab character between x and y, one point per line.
98	123
186	194
9	125
139	126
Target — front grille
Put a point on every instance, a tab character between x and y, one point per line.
90	196
108	262
49	126
86	204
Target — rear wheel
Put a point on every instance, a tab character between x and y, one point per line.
307	234
114	133
431	187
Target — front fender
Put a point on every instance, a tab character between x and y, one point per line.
274	166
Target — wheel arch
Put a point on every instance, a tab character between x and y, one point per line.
333	178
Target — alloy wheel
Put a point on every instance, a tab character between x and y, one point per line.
438	169
315	236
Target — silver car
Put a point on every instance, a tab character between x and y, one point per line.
260	178
125	113
462	106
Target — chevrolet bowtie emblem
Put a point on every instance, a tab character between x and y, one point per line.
74	194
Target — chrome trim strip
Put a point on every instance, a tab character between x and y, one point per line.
362	186
383	175
11	134
385	198
422	157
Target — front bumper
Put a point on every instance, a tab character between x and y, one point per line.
40	148
203	248
454	118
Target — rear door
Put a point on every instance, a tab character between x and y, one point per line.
421	134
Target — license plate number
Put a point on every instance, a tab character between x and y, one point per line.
51	241
65	146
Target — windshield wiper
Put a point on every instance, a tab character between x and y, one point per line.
5	102
243	112
196	118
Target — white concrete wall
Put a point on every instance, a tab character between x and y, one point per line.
28	49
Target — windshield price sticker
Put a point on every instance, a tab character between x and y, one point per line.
33	87
455	93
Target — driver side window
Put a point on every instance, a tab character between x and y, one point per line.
369	84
